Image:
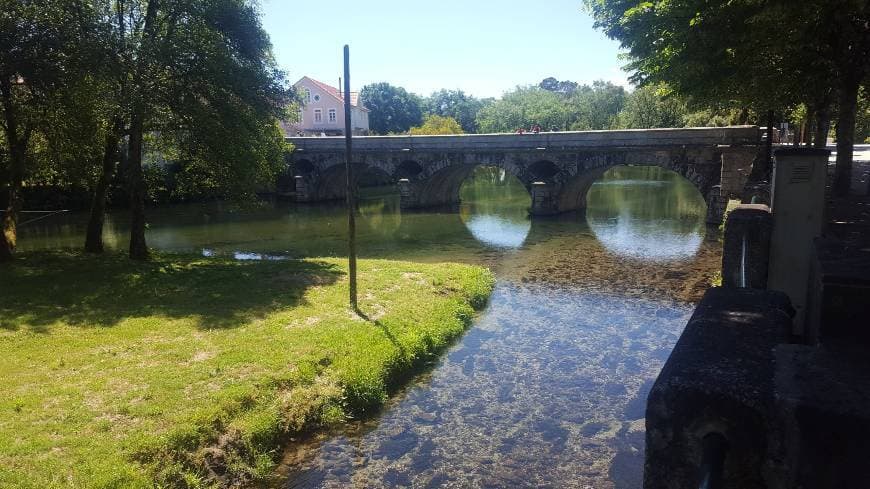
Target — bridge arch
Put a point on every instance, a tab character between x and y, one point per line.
574	191
304	167
409	169
443	186
543	170
372	175
331	183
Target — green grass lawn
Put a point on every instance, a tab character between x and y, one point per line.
191	371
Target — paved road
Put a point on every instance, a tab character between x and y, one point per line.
860	153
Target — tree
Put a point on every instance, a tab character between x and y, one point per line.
565	87
110	60
596	107
392	109
650	107
35	38
435	124
193	78
718	118
200	75
862	123
457	105
759	55
523	108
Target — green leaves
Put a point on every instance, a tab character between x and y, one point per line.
456	105
393	109
555	105
436	124
761	54
214	94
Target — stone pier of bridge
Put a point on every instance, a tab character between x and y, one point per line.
556	168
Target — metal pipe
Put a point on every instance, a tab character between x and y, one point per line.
715	447
768	164
743	265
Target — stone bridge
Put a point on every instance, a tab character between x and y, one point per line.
557	168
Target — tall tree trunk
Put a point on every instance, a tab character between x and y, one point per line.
8	233
138	247
823	123
743	117
5	248
17	140
94	236
803	131
13	205
845	136
810	122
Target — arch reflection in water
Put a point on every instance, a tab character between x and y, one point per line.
495	207
646	212
379	212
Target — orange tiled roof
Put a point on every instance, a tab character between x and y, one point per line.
354	96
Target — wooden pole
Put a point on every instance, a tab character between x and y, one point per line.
351	190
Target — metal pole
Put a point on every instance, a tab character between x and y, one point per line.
715	447
769	163
743	265
348	167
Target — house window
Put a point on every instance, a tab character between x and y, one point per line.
299	116
317	97
332	116
306	95
318	115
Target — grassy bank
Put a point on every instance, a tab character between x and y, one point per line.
190	371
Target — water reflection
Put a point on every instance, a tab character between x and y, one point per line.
646	213
497	231
495	208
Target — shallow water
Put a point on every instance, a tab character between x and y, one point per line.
548	386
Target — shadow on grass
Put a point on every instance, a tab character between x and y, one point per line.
384	328
39	289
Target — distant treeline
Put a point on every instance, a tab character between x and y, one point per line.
552	105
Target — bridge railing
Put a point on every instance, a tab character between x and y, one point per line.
571	140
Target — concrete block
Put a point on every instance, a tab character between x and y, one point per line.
839	301
823	413
718	379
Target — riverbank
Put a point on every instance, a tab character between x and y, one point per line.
188	370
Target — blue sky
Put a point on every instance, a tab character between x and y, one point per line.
480	46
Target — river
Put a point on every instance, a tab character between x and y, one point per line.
548	386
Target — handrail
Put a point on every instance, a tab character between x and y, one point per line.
47	214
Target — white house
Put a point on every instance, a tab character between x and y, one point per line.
322	112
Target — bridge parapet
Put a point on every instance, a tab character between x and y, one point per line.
553	141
